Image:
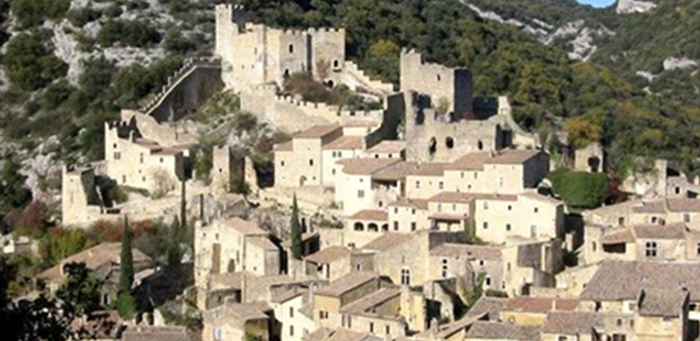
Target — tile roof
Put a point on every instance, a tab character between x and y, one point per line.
371	215
491	306
469	162
242	226
317	131
284	147
670	231
328	255
346	143
240	312
368	302
388	240
387	146
365	166
346	283
660	302
93	258
513	156
421	204
289	294
683	205
572	322
619	280
338	334
618	236
465	198
502	331
151	333
489	253
539	304
263	242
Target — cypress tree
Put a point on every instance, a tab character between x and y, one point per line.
296	231
173	246
126	273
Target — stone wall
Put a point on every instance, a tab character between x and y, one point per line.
186	90
444	85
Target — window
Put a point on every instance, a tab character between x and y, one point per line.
359	227
562	338
500	182
323	315
291	48
510	208
594	247
413	211
461	175
405	276
654	220
444	268
651	249
536	210
486	225
371	327
387	330
486	205
161	160
417	184
291	330
698	249
396	226
454	207
282	163
396	210
619	337
141	158
441	185
449	142
311	162
291	311
360	194
507	226
487	281
481	262
117	155
439	207
217	333
686	217
413	226
438	77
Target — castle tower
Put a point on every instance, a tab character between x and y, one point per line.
225	31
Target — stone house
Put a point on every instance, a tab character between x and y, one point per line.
358	187
139	162
232	321
499	331
452	260
532	311
645	212
330	263
232	245
387	150
408	215
671	242
294	321
104	260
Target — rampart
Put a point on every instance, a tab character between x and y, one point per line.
186	90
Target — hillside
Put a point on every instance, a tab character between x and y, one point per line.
565	66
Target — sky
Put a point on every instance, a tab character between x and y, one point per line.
597	3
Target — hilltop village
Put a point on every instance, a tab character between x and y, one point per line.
420	213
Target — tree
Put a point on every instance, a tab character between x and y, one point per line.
173	252
126	305
297	247
80	291
126	271
31	63
580	190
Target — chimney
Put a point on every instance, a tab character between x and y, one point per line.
554	304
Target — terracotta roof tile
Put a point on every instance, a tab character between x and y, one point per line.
513	156
368	302
328	255
284	147
370	215
540	304
482	252
387	146
572	322
347	283
388	240
502	331
242	226
470	162
660	302
365	166
318	131
346	143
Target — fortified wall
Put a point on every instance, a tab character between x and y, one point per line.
443	85
255	54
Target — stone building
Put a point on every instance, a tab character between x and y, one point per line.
590	159
292	314
231	245
647	212
134	161
81	202
254	54
233	321
662	243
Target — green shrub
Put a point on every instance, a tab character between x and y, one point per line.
580	190
56	94
30	62
135	33
31	13
126	306
81	16
113	11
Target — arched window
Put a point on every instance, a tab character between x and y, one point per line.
359	226
480	145
336	64
432	147
373	227
450	142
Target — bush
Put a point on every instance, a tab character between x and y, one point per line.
176	42
30	62
580	190
126	306
128	33
31	13
81	16
56	94
113	11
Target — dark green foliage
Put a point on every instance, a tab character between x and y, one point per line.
81	16
30	62
473	296
13	194
113	11
56	94
174	253
132	84
580	190
80	291
126	271
204	161
135	33
176	42
297	243
30	13
126	305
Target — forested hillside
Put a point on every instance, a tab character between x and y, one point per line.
67	66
